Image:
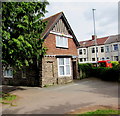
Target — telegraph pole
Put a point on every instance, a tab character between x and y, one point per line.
95	34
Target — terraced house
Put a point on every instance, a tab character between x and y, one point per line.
107	48
59	65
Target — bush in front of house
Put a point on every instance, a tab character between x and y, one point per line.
107	74
114	63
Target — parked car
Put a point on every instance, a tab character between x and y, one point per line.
104	63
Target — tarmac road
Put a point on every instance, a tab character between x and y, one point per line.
63	98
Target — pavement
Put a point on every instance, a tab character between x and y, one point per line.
62	99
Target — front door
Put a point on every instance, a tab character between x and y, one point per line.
74	70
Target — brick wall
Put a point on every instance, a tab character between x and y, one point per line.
50	43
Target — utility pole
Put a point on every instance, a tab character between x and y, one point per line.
95	34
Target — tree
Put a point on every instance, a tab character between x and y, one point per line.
21	32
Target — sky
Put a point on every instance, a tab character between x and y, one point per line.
80	16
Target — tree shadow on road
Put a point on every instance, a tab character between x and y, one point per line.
98	86
7	89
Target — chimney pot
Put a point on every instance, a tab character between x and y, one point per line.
93	37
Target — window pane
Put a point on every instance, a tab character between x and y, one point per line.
5	72
96	49
67	69
8	72
67	61
80	51
81	59
93	50
93	59
61	61
11	72
107	48
61	70
61	41
57	40
84	51
116	47
65	41
102	49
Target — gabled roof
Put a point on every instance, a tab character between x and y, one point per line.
88	43
51	22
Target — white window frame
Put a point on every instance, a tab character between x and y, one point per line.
7	76
81	60
65	75
84	51
93	49
80	52
107	49
58	44
102	49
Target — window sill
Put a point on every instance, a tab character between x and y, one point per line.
62	76
115	51
62	47
7	77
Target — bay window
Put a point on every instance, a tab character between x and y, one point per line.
64	67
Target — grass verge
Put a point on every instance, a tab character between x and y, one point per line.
99	112
7	98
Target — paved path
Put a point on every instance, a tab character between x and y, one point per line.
65	98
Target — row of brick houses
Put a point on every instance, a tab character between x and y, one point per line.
60	64
107	48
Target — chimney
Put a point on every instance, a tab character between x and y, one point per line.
93	37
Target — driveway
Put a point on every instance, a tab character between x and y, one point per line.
64	98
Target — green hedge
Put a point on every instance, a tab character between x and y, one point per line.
107	74
84	70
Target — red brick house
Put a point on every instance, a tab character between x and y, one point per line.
59	65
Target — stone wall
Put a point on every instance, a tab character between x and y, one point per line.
50	72
31	78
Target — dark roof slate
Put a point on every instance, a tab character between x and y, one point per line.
112	39
88	43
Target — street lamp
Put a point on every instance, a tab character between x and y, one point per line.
95	34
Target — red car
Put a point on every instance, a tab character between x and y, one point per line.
105	63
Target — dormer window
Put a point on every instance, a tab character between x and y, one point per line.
61	41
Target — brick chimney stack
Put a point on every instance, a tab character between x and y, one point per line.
93	37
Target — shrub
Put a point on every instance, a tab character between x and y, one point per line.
114	63
84	70
107	74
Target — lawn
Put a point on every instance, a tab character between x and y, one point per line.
7	98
